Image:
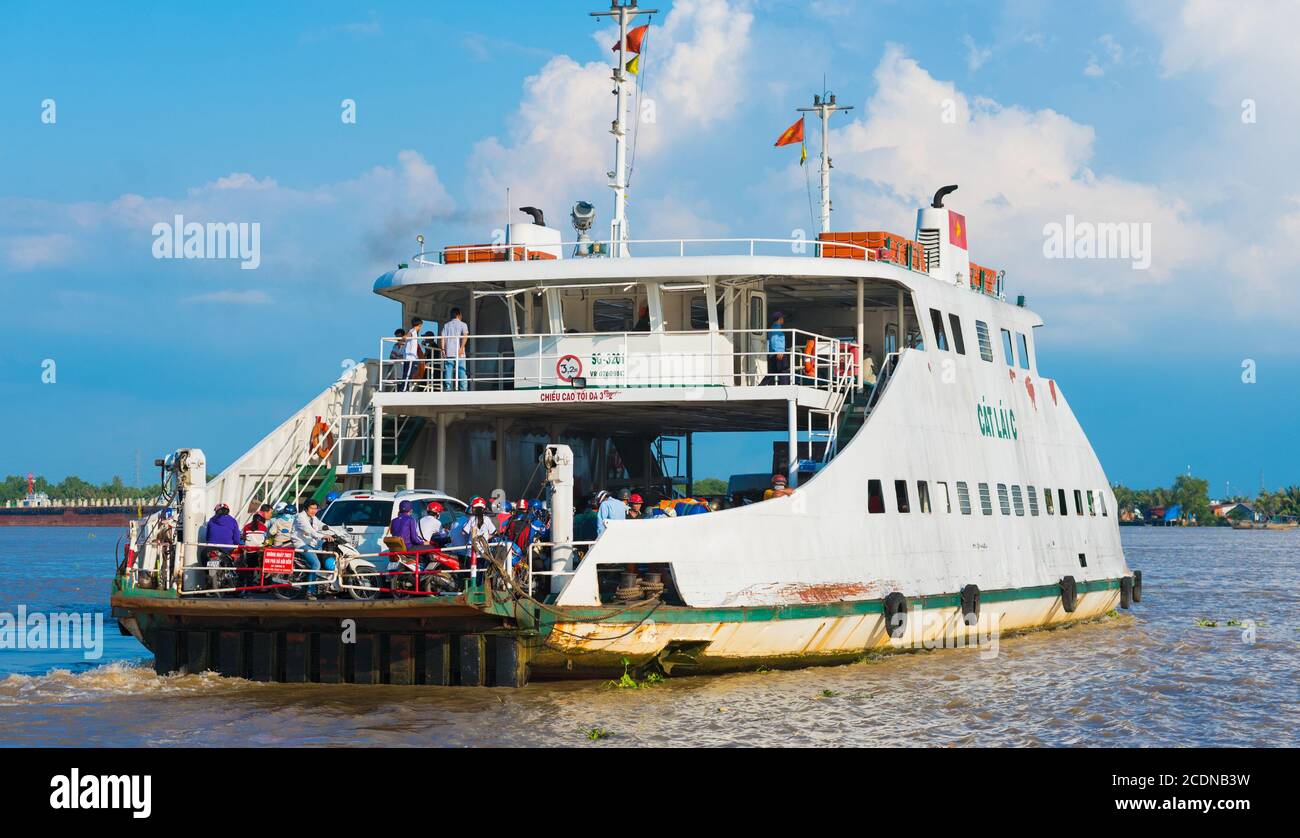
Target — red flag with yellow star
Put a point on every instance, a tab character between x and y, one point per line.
957	229
793	134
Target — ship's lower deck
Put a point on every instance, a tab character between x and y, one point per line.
480	640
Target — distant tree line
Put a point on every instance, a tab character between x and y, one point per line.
1193	495
72	488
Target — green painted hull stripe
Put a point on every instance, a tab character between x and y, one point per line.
806	611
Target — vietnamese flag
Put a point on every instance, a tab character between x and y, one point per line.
957	229
634	39
793	134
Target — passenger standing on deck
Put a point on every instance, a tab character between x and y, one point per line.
394	370
455	339
479	524
608	508
778	360
635	507
411	353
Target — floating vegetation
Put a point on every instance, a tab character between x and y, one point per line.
1112	613
1234	622
828	694
628	681
595	733
1205	622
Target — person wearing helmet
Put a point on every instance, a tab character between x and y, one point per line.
405	527
780	488
479	524
431	524
608	508
223	528
635	507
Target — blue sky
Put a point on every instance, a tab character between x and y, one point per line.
1115	112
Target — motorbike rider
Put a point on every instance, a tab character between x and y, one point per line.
309	534
223	528
255	534
431	525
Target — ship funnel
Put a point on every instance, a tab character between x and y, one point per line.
942	232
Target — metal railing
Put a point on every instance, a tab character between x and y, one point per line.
670	247
627	359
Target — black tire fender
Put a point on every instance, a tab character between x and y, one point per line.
1069	594
970	604
1125	591
895	614
1137	586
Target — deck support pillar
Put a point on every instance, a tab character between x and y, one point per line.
442	452
501	455
862	337
377	451
902	323
792	457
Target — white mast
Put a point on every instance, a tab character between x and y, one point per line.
824	106
618	226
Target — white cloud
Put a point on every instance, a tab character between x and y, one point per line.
232	297
558	146
355	225
976	56
1018	170
1093	69
43	250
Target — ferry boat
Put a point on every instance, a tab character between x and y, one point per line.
943	490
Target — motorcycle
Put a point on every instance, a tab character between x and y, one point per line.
221	570
402	574
350	569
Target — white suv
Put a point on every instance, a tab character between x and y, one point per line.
367	515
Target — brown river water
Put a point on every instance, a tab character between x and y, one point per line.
1151	676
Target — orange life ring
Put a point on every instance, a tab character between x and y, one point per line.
322	439
810	359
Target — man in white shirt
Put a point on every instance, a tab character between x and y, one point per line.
431	524
308	535
411	353
455	338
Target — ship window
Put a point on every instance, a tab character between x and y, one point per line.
1078	502
700	313
1101	499
923	496
1083	560
612	314
1047	499
947	498
963	497
986	345
900	492
986	503
1092	509
1003	504
1006	348
1065	507
1024	350
875	497
1032	494
940	336
958	340
1017	500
